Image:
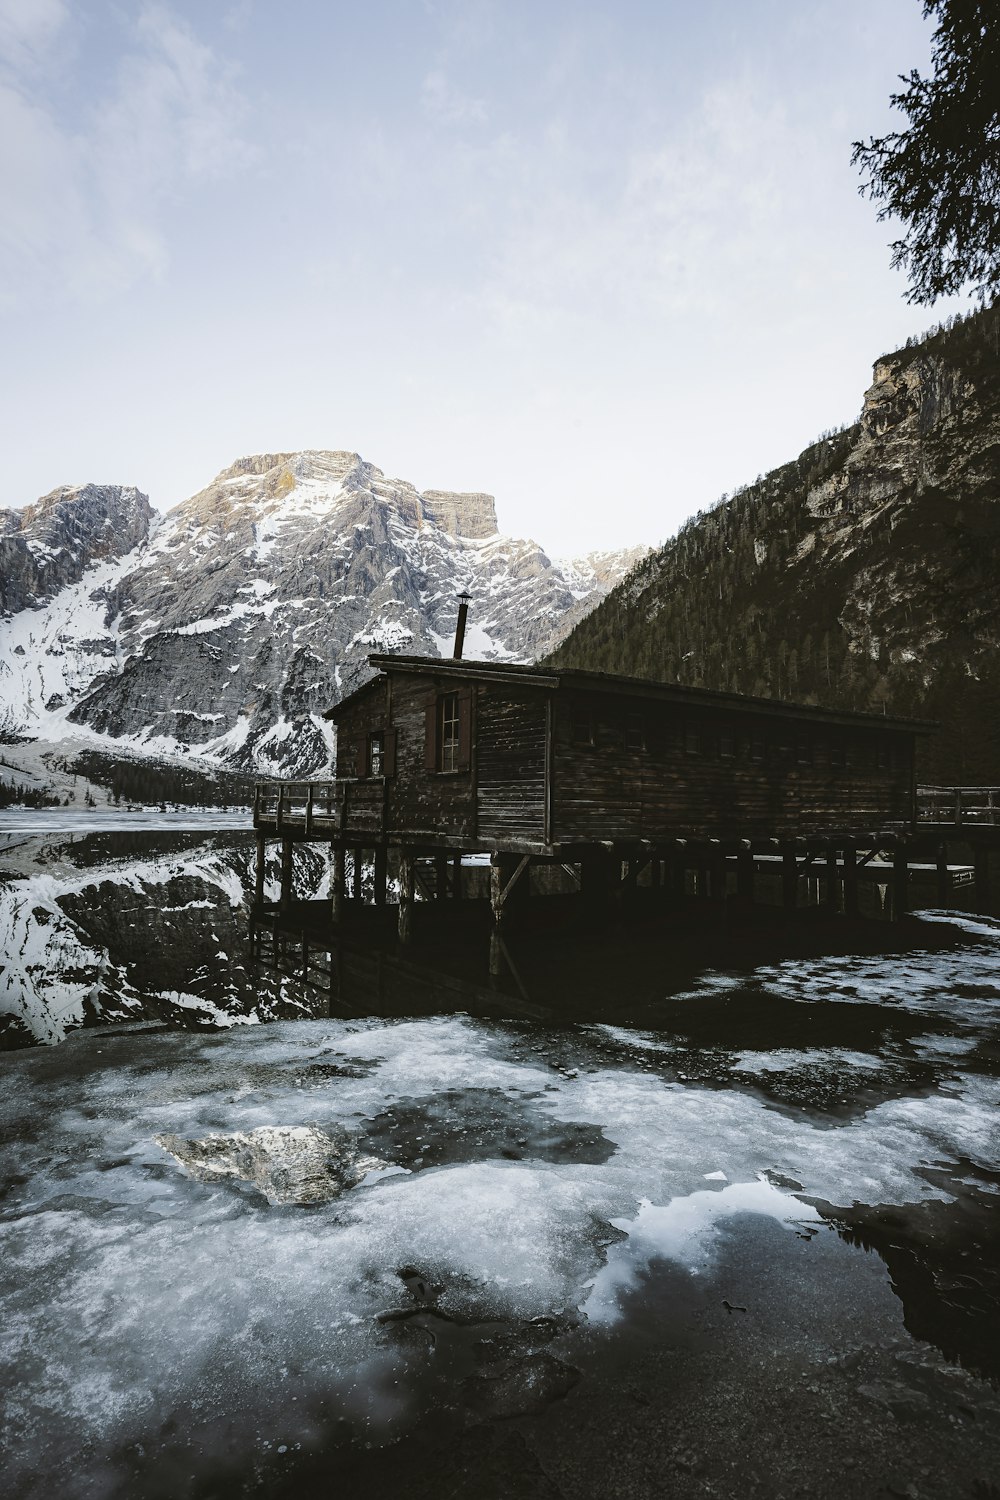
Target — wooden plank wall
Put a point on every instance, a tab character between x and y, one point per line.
357	719
510	746
664	790
424	803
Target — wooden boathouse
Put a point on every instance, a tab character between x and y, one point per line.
614	779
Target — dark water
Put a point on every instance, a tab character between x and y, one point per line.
730	1229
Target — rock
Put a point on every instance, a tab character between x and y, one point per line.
287	1163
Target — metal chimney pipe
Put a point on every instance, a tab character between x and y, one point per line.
463	611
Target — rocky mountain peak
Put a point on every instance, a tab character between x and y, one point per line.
52	543
473	516
257	602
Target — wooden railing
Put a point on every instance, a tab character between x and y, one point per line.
344	805
962	806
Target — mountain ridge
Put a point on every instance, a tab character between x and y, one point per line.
863	574
235	619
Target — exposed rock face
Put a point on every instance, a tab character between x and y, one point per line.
52	543
863	574
254	605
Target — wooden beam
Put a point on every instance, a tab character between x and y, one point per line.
381	863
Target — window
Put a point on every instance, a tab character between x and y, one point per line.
635	732
803	751
448	731
692	739
448	738
727	745
376	754
757	747
582	728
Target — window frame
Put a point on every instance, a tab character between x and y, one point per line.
634	734
449	732
376	752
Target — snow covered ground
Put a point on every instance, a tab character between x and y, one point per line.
235	1253
236	1257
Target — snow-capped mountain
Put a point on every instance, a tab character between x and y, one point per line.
225	629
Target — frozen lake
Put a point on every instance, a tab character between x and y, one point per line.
742	1241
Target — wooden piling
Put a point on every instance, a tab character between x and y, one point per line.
496	908
258	882
744	877
337	884
789	880
850	881
381	872
286	874
981	866
900	882
943	876
407	886
357	875
831	884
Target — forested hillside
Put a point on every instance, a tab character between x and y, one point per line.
864	574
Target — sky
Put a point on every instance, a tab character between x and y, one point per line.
605	261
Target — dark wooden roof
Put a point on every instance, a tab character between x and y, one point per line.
626	687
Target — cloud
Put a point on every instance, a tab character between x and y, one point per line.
28	29
442	102
83	202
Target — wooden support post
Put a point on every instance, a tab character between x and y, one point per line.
655	872
850	881
407	884
337	891
380	874
831	885
744	877
440	876
677	871
508	874
496	907
258	874
596	874
900	882
456	877
981	861
943	876
789	880
357	876
286	874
